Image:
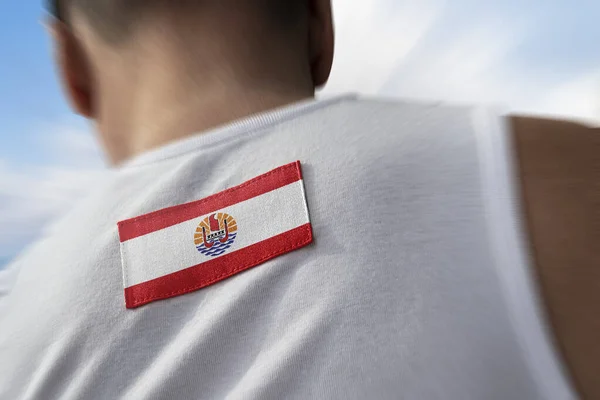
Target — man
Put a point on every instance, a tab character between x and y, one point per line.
253	243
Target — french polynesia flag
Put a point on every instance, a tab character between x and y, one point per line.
185	248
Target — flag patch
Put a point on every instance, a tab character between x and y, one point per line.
185	248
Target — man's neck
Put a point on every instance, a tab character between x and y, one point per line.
164	90
161	119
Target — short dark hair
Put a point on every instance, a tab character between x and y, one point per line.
54	7
107	17
113	18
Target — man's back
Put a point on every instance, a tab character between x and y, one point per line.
416	285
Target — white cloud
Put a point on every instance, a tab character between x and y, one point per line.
31	196
69	142
461	68
578	97
415	50
373	37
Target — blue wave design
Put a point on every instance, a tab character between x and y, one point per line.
219	248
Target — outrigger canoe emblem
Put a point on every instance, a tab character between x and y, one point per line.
215	234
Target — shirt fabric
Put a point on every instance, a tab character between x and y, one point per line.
417	284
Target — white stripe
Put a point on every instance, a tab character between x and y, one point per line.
172	249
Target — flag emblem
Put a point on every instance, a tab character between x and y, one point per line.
188	247
216	234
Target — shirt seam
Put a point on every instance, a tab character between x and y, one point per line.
263	123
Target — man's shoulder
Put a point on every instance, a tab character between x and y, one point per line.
553	131
386	123
559	169
406	107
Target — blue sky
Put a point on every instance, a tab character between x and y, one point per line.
42	145
536	57
29	89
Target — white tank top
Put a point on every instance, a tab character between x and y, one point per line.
417	284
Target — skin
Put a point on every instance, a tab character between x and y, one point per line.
559	164
134	94
159	85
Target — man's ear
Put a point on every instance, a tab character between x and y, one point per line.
321	40
73	68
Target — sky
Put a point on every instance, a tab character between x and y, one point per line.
534	57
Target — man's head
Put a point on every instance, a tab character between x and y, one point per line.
116	19
117	57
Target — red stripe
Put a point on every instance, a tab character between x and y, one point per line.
278	178
216	270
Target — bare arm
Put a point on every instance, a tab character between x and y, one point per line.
560	176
